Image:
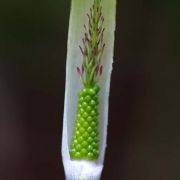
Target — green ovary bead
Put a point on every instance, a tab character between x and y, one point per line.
84	143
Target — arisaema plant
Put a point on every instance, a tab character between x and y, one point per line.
88	71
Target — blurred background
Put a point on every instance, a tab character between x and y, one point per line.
144	118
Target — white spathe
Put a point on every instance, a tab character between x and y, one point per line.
74	169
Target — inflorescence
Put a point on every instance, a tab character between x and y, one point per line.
93	46
85	142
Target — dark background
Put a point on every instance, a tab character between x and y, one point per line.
144	136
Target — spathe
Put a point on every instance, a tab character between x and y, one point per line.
86	170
